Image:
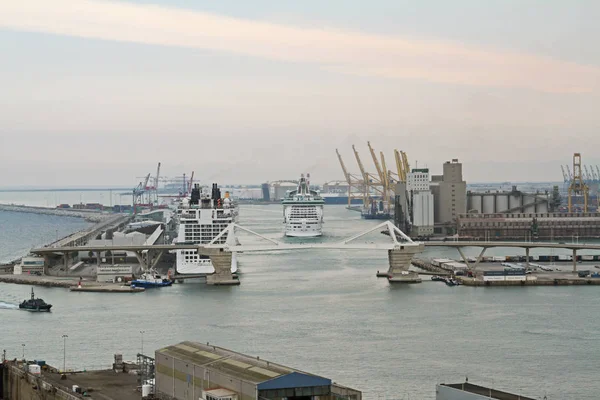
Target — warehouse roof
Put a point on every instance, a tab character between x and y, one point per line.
251	369
294	380
485	392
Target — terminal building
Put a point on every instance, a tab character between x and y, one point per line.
190	370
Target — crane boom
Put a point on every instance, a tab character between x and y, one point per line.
405	163
376	162
191	184
157	175
586	175
344	170
146	181
565	176
598	171
360	166
399	166
592	173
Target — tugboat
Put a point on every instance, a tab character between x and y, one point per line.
34	304
150	280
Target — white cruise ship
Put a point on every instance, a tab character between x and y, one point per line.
203	217
303	211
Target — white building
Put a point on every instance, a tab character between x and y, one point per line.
418	180
30	265
422	202
422	207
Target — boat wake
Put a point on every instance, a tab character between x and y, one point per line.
8	306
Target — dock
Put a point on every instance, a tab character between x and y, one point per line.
106	289
539	280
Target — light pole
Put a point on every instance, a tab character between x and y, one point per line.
64	353
23	345
142	332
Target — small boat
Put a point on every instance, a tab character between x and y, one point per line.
437	278
34	304
451	282
149	280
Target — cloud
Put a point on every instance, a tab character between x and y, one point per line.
347	52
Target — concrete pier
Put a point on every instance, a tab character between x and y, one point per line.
400	260
221	260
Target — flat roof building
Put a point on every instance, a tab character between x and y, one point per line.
468	391
190	370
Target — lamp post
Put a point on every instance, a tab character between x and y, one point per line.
23	345
64	353
142	333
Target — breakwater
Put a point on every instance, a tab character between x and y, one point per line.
89	215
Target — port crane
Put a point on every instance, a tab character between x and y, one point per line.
578	187
355	184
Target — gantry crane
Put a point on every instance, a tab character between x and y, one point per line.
578	186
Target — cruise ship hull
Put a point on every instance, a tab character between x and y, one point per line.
204	267
304	234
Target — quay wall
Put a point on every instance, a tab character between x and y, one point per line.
18	384
532	282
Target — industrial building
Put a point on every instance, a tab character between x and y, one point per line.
113	273
543	226
449	194
468	391
421	200
190	371
512	202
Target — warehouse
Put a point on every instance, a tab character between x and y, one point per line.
189	370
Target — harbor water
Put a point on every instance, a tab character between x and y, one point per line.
325	312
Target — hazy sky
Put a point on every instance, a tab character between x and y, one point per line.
96	92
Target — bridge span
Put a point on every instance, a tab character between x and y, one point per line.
459	245
400	248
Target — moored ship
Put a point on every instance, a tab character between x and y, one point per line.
303	211
202	217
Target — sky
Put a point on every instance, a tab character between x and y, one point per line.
96	92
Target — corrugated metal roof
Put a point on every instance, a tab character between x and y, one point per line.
235	364
294	380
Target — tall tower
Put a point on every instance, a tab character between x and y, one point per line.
578	186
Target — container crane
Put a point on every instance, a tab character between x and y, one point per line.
587	176
578	186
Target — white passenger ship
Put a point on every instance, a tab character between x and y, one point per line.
303	211
203	217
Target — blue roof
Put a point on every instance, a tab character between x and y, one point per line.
294	380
